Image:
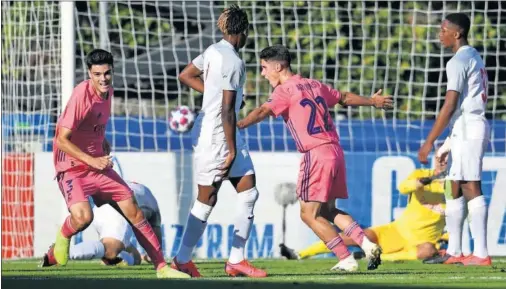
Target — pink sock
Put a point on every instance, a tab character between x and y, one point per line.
355	233
337	246
147	238
67	230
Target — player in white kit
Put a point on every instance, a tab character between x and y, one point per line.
114	233
464	110
219	151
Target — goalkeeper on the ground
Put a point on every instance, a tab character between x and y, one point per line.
114	245
416	233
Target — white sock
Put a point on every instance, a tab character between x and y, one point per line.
349	259
242	225
455	215
195	226
478	224
367	245
87	250
127	257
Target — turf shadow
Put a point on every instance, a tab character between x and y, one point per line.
81	283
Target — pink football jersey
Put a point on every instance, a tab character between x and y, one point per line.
304	105
86	115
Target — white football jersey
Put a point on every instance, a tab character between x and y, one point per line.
467	75
222	69
144	197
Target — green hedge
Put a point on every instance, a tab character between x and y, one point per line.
362	48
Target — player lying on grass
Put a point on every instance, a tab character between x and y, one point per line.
113	245
304	105
84	168
415	234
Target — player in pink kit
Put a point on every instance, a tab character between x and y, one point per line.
84	168
304	105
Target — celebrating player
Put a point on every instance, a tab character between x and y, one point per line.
415	234
304	104
218	148
114	233
464	109
84	169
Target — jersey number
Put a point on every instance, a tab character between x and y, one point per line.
311	128
484	82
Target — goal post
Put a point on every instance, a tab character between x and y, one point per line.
68	51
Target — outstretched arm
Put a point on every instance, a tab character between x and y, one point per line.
256	116
278	103
377	100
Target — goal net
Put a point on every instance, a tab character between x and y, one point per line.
354	46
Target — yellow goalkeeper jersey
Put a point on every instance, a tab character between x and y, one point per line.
423	219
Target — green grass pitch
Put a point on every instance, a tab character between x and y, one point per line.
313	273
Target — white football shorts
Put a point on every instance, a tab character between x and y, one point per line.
110	224
466	159
210	156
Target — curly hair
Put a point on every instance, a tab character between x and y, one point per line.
233	20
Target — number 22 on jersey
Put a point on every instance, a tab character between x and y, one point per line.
312	128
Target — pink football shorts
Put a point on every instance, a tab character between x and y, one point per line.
102	186
322	175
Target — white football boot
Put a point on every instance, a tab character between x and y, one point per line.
372	254
348	264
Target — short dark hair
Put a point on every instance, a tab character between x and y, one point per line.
99	57
461	20
233	20
276	53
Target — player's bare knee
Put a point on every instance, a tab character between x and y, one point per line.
308	214
82	218
209	200
130	210
135	215
81	215
307	218
208	195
